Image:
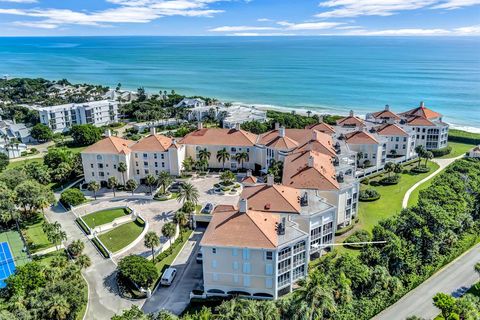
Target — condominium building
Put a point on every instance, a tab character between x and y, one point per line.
60	118
252	253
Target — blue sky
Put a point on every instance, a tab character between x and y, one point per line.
239	17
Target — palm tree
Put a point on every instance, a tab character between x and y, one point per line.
204	154
188	193
150	181
54	233
428	156
222	156
389	166
227	177
180	218
58	307
131	185
122	168
359	157
309	113
168	231
314	296
187	164
93	186
112	183
420	150
151	241
397	168
242	157
83	261
201	164
164	179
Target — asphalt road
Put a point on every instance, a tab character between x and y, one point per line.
176	297
455	279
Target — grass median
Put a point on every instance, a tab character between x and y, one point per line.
121	236
104	216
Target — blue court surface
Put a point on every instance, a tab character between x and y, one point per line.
7	266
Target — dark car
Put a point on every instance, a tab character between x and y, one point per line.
199	257
175	187
208	208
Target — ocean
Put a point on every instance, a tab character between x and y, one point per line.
325	74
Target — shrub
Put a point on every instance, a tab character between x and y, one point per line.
100	248
390	180
72	197
82	226
369	195
139	270
76	247
357	236
420	169
344	230
441	152
365	181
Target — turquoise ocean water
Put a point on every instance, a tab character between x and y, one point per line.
331	74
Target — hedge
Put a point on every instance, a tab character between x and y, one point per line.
344	230
420	169
390	180
82	226
100	248
441	152
369	195
463	137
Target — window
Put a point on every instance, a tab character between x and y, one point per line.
146	171
246	267
233	149
246	281
93	174
101	174
246	254
397	139
156	172
145	163
100	166
162	156
269	255
99	157
269	269
235	265
145	155
136	155
114	166
163	164
154	156
214	250
138	171
396	146
136	163
156	164
91	166
404	139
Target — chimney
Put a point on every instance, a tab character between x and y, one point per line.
351	113
281	132
311	161
153	131
199	125
277	125
108	133
314	135
281	227
243	205
387	107
249	173
270	180
422	105
237	126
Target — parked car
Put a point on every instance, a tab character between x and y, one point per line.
199	257
175	187
168	276
208	208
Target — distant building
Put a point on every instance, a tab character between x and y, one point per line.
229	116
60	118
190	103
11	130
474	153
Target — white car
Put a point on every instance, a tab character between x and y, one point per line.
168	276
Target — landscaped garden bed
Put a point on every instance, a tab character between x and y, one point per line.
165	196
105	216
121	236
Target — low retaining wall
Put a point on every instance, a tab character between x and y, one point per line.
134	242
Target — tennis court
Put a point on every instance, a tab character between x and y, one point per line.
11	254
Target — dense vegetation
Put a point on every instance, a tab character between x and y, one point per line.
463	136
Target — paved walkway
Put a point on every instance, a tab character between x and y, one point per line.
442	163
455	278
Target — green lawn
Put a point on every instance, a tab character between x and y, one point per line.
122	236
105	216
33	232
416	193
390	203
16	246
46	259
16	164
458	149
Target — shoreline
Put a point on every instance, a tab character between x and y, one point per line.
303	111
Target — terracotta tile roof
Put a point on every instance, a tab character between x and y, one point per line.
391	130
385	114
222	137
110	145
419	121
317	141
322	127
274	198
350	121
157	142
223	208
422	111
252	229
309	170
360	137
273	140
249	180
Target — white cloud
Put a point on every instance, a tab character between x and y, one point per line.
20	1
455	4
136	11
462	31
309	25
354	8
256	34
240	28
471	30
264	20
